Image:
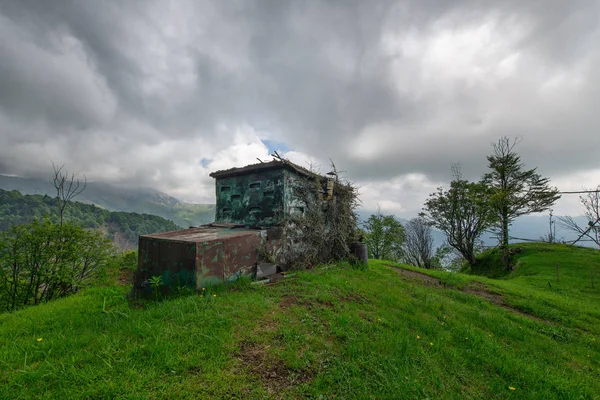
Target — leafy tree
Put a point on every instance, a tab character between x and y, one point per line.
42	261
462	213
384	236
516	191
418	244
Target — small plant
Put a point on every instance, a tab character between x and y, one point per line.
155	281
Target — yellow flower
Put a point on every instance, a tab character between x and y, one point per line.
39	339
511	388
442	323
203	288
418	337
430	343
466	338
214	295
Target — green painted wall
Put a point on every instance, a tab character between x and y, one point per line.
253	199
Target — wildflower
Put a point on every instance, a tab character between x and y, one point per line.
418	337
466	338
442	323
203	288
430	343
511	388
39	339
214	295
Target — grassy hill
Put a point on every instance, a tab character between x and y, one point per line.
390	331
122	198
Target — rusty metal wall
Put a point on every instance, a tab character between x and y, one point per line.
174	262
195	258
227	260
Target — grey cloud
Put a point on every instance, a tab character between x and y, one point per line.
120	75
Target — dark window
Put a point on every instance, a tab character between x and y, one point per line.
254	185
225	189
236	196
254	210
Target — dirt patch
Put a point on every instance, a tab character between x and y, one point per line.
355	298
289	301
475	288
125	277
479	290
273	373
413	275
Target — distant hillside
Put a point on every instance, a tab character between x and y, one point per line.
122	198
122	227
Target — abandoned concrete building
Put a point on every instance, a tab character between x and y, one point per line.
250	204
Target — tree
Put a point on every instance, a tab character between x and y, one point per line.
591	204
516	191
384	236
67	188
418	244
462	213
41	261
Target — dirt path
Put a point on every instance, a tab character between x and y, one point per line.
475	288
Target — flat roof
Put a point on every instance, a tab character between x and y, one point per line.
202	234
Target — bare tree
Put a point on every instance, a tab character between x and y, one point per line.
418	244
67	187
591	203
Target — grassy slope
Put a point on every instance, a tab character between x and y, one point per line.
338	332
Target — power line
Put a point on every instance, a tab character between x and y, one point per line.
580	192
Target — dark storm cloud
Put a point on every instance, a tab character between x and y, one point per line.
143	91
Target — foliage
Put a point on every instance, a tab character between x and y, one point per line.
16	209
515	190
591	205
384	236
330	333
418	244
462	213
42	261
325	230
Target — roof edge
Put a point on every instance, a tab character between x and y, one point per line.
261	167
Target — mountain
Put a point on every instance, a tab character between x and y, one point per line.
122	227
122	198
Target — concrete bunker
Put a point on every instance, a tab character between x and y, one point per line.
251	203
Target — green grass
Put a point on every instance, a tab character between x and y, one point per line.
336	333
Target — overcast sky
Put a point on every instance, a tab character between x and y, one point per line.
161	93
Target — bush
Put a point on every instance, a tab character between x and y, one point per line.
41	261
